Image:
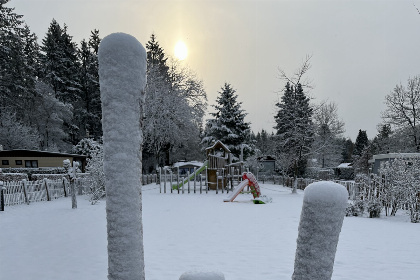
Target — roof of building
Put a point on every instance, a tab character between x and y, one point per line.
186	163
345	165
220	143
396	155
23	153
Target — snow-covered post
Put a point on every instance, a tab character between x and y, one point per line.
71	172
122	77
202	275
324	205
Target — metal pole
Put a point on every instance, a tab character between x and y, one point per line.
160	180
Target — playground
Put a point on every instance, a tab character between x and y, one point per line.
49	240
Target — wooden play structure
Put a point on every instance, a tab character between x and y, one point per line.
220	169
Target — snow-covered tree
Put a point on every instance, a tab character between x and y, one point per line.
361	143
403	108
16	135
402	186
294	130
86	147
174	108
88	113
18	61
328	132
228	124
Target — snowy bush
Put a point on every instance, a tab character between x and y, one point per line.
86	146
95	167
401	186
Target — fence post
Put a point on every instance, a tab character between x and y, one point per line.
217	182
201	184
195	177
64	186
170	178
46	189
188	180
159	171
2	196
177	180
207	183
24	191
164	180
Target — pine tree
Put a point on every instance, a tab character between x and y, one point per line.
60	66
18	62
295	130
228	124
361	142
88	113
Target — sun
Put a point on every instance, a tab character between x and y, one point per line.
181	50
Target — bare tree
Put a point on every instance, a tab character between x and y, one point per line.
403	108
298	76
328	130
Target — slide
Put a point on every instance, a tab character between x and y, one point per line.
236	191
249	179
192	175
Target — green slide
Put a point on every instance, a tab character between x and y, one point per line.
192	175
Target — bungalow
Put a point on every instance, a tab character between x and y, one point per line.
38	159
186	166
378	160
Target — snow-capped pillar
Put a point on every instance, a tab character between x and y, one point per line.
122	76
322	216
202	275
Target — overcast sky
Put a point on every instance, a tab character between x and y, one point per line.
360	49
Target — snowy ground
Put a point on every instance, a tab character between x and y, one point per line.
49	240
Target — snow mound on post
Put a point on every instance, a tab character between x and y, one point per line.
326	192
122	76
202	275
322	216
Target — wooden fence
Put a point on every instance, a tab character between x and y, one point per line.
19	192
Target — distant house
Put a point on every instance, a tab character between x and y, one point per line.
377	161
267	165
186	166
344	171
38	159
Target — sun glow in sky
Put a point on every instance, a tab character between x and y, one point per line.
181	50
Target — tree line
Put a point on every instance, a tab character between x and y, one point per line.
50	100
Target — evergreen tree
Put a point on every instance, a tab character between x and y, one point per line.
381	144
361	142
228	124
88	112
347	150
18	62
60	66
295	130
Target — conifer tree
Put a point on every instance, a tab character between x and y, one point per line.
295	130
361	142
88	113
228	124
18	61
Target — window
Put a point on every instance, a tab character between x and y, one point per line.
5	162
31	163
18	162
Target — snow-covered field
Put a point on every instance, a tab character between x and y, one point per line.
49	240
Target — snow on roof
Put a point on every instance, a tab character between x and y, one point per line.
223	145
184	163
396	155
345	165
